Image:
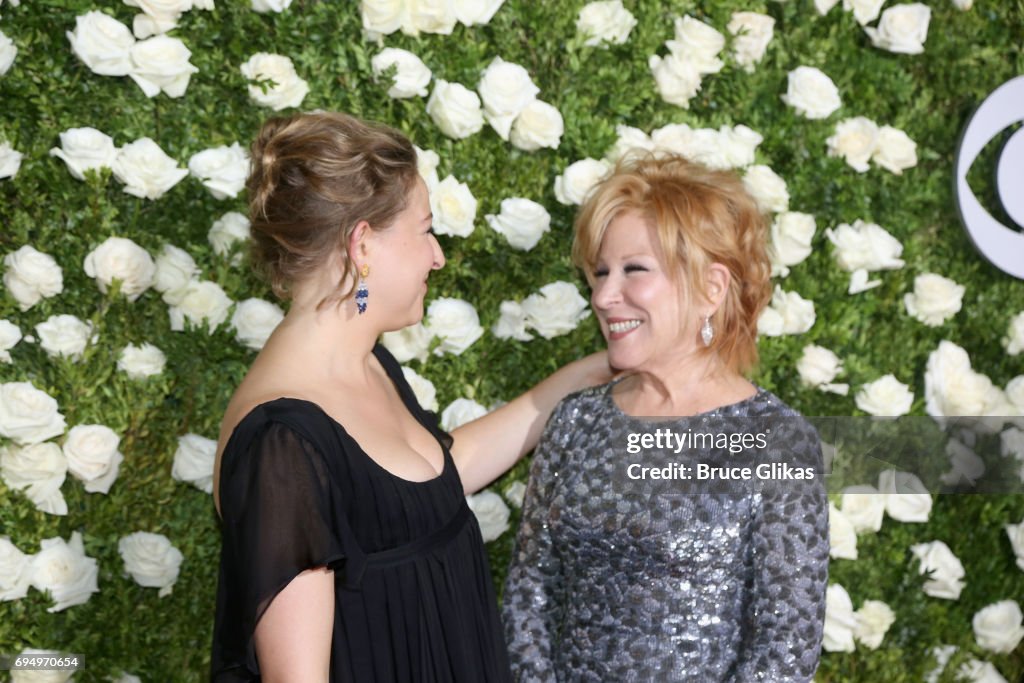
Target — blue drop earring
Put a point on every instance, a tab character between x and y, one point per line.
362	293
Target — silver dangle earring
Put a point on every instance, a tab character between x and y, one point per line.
362	292
707	332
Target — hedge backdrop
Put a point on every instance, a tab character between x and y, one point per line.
126	627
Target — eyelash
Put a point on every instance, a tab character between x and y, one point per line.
629	268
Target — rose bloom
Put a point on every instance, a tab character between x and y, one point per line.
381	17
515	493
873	621
160	15
865	246
840	621
476	12
454	208
139	362
578	179
1013	342
751	34
812	93
92	455
491	513
62	569
511	323
855	140
842	537
288	90
1015	532
953	388
885	397
455	322
201	301
823	6
85	149
146	170
222	170
174	268
864	11
767	188
151	560
455	109
459	412
698	44
31	276
422	388
630	140
906	498
38	471
818	366
902	29
193	461
14	571
538	125
8	51
264	6
429	16
10	335
64	336
894	150
521	221
10	160
119	258
791	235
227	231
556	309
506	89
676	78
605	23
28	415
944	570
102	43
739	145
976	671
408	343
411	75
935	299
998	627
254	320
160	64
427	162
864	506
788	313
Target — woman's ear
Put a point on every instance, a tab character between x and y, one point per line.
716	284
358	243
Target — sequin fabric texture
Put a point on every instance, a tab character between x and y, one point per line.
622	579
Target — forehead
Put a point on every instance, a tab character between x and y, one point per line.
630	232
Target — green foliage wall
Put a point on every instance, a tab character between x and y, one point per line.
125	627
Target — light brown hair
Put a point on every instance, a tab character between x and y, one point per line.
313	178
701	216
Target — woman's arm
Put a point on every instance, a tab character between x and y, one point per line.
487	447
293	638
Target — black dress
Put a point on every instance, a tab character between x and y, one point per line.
413	594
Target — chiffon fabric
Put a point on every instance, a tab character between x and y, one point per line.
413	595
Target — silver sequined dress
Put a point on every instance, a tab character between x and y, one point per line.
622	579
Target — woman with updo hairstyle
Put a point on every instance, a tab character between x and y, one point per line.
348	552
675	526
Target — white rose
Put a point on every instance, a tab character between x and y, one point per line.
62	569
1015	393
944	570
935	299
459	412
788	313
151	560
842	537
455	109
998	628
429	16
1011	443
556	309
201	301
287	90
126	678
10	335
41	675
426	163
1013	342
818	366
64	336
146	170
864	506
840	621
38	470
856	140
10	160
823	6
454	208
538	125
408	343
1015	532
92	455
160	64
193	461
698	44
31	275
491	514
381	17
227	231
812	93
222	170
703	145
265	6
8	51
512	323
173	270
894	150
864	11
752	32
767	188
522	221
15	576
254	320
515	493
791	235
630	141
967	466
941	654
455	322
906	498
902	29
476	12
163	11
952	388
885	397
119	258
28	415
422	388
144	26
411	76
606	22
977	671
142	361
963	4
859	282
873	621
578	179
102	43
739	145
84	149
505	89
676	78
865	246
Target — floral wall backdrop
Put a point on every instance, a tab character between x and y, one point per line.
128	311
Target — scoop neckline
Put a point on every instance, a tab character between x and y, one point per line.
719	411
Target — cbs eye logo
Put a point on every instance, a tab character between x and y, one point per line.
1003	246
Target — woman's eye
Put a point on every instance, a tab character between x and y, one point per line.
600	272
634	268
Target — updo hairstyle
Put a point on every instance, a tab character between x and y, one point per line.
701	216
313	178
